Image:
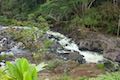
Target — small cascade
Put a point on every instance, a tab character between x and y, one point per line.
68	44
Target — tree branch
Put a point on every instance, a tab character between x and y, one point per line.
89	6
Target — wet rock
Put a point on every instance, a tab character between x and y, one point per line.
54	47
6	44
113	54
6	41
111	66
118	58
75	56
108	45
63	43
92	45
69	49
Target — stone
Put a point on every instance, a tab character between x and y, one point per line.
111	66
112	54
92	45
75	56
109	46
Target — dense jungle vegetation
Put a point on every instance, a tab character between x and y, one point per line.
98	15
102	16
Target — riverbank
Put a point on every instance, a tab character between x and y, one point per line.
86	39
58	63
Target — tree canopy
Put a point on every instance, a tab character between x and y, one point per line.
95	14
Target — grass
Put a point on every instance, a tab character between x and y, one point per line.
52	64
108	76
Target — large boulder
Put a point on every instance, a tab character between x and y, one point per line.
108	45
111	65
92	45
94	41
75	56
113	54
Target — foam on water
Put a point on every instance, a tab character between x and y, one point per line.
90	57
68	44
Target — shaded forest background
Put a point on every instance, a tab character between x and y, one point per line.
97	15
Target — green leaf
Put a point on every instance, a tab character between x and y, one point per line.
22	70
27	76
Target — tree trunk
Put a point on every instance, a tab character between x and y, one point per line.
118	30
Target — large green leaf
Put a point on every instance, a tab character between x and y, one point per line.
22	70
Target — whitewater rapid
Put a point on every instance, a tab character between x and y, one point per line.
68	44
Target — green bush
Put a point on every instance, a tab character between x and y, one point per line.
108	76
110	16
17	9
38	56
54	63
21	70
5	21
29	37
47	43
91	18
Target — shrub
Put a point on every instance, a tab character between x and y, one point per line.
47	43
91	18
108	76
21	70
110	16
5	21
29	37
54	63
38	56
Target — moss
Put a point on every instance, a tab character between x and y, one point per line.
52	64
100	66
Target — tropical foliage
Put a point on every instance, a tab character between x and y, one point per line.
69	15
21	69
94	14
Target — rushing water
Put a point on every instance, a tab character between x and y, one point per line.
68	44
